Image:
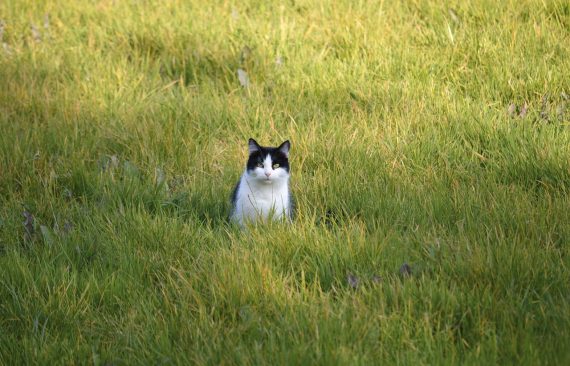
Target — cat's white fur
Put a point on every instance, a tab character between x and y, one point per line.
262	193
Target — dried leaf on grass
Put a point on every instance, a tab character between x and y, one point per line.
28	225
405	270
36	35
352	280
243	78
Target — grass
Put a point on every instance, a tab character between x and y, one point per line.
424	133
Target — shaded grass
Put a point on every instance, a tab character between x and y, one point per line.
124	130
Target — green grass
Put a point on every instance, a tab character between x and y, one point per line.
124	128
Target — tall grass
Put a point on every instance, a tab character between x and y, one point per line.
429	133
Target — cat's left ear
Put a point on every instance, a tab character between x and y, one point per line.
284	148
253	146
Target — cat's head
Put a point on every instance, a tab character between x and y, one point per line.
268	165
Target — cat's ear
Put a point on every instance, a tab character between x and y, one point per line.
253	146
284	148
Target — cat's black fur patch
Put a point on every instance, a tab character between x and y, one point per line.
259	155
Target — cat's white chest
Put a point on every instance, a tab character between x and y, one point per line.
258	200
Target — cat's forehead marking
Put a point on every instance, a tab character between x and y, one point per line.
267	161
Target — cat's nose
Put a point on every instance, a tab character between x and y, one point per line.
267	174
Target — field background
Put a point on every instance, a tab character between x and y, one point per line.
423	132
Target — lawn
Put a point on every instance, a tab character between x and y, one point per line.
430	160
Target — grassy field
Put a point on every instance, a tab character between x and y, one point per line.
429	133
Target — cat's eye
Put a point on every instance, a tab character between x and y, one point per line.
259	165
275	166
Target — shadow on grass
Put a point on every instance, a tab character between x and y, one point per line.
206	210
121	185
193	61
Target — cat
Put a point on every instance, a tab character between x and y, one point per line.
262	192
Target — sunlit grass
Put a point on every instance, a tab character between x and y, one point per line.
423	133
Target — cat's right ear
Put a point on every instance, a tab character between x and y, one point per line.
253	146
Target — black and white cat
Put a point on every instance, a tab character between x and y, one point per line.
263	192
